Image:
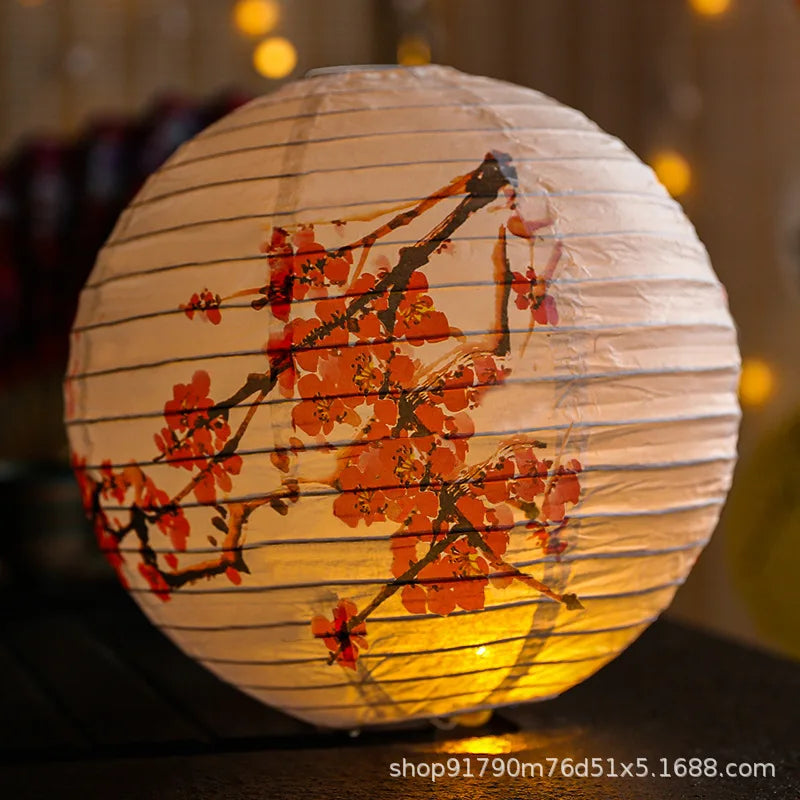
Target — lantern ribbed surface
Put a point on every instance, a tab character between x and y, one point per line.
398	393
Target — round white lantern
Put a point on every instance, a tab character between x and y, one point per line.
398	393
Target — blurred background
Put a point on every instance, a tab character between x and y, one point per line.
95	94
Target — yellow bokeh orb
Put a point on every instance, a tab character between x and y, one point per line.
256	17
275	57
710	8
413	51
757	382
673	170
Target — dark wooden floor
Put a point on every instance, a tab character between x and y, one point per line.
96	703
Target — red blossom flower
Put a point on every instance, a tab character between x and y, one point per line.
217	474
546	539
326	403
367	323
170	519
383	419
114	484
497	482
109	545
360	371
457	578
359	500
307	264
194	439
564	488
190	402
320	337
281	362
299	269
531	290
278	292
206	304
339	638
156	581
402	461
532	474
417	318
413	506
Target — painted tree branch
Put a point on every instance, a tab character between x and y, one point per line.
482	184
463	530
432	387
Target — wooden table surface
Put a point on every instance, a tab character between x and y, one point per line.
96	703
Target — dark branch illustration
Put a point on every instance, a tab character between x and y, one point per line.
348	362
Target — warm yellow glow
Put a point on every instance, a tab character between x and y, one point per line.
256	17
275	57
710	8
481	651
673	170
480	745
413	51
757	382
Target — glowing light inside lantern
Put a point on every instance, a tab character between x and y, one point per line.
413	51
757	382
481	651
256	17
275	57
710	8
673	170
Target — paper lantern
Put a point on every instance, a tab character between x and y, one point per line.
403	392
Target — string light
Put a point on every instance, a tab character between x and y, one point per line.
256	17
757	382
673	170
413	51
710	8
275	57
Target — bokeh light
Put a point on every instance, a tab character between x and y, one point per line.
757	382
256	17
710	8
673	170
413	51
275	57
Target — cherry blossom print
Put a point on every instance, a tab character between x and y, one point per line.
339	635
206	305
377	381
